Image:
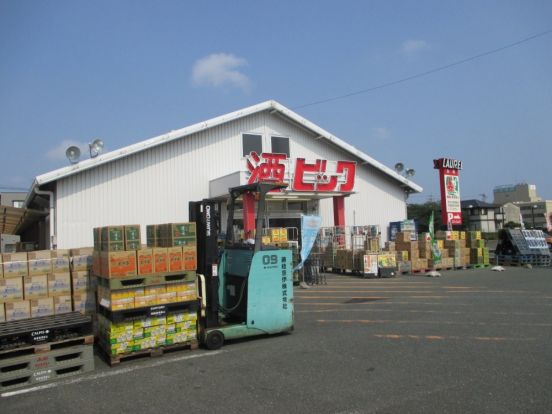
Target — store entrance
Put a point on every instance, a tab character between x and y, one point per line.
293	226
285	222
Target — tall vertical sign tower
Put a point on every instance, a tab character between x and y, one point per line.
449	178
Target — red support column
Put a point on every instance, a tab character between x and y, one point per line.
249	215
339	211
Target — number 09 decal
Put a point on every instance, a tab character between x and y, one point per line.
270	259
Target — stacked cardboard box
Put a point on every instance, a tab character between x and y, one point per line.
329	255
133	239
278	235
172	247
15	268
406	252
373	244
424	248
145	333
479	252
35	284
411	247
83	282
112	238
458	251
115	250
151	235
457	248
344	259
358	260
176	234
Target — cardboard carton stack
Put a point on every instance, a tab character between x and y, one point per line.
83	282
372	245
143	279
404	243
457	248
458	251
344	259
15	268
329	255
479	252
278	235
426	252
110	257
39	283
172	247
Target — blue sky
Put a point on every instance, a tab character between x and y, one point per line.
124	71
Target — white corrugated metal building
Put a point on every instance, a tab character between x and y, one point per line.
151	182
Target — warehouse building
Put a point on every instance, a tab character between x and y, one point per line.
152	182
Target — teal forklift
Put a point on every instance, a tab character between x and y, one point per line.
245	287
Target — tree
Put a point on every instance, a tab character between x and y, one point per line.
512	225
421	213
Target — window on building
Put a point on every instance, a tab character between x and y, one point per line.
252	142
280	145
18	203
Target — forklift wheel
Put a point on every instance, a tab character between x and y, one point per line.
214	340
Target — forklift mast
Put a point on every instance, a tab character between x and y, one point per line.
260	190
206	215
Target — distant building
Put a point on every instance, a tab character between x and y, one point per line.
511	213
518	193
13	199
482	216
536	215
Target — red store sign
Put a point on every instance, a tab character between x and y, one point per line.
319	176
449	178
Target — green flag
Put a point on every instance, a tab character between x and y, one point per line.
431	227
435	252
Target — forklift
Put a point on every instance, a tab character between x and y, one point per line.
245	287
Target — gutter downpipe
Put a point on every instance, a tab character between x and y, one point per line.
50	194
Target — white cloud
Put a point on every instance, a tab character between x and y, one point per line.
381	133
220	69
412	46
58	153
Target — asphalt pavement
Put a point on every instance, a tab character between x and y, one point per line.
470	341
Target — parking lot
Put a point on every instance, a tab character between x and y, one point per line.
469	341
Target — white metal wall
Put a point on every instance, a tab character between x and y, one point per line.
155	186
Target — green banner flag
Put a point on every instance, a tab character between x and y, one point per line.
435	252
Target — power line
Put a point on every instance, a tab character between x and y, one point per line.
428	72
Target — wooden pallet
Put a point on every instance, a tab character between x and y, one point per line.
145	353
